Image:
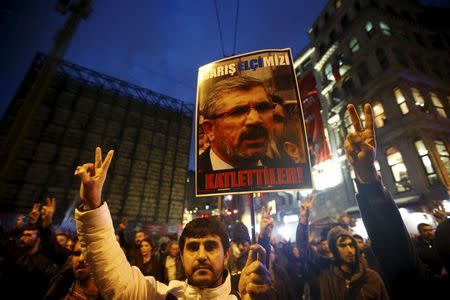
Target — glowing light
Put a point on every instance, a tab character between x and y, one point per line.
360	228
327	174
290	219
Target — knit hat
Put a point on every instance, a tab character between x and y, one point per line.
442	243
332	237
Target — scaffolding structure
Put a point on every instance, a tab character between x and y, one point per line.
82	109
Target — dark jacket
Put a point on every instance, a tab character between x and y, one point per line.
405	274
150	268
428	255
204	162
328	282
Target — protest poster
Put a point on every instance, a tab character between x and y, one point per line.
250	131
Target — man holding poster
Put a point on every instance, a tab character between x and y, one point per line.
249	116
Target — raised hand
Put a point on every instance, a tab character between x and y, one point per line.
255	281
305	208
267	223
19	221
34	214
360	146
92	177
47	211
439	213
123	224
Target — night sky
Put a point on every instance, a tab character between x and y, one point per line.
158	45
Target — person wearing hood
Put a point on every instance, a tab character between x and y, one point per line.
344	276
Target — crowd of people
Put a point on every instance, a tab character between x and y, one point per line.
39	262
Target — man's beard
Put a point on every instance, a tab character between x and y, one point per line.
206	283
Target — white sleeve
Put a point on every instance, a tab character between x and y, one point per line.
114	276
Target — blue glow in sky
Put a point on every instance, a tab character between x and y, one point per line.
158	45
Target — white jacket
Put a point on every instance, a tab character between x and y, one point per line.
116	278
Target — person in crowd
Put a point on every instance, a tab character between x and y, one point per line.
61	238
26	270
239	248
146	260
403	271
73	281
367	254
343	276
324	249
203	243
238	121
172	266
424	247
294	270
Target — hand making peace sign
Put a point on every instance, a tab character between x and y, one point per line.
360	146
92	178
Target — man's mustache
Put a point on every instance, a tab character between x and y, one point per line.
198	267
253	132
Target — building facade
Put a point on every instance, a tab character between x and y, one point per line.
82	109
389	54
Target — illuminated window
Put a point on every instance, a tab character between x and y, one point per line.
354	45
369	29
443	153
426	161
419	101
382	58
385	28
328	71
338	3
438	105
398	168
378	113
401	101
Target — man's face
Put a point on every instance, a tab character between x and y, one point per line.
242	135
79	266
427	232
360	244
61	239
138	237
29	239
173	249
204	261
346	249
243	247
324	248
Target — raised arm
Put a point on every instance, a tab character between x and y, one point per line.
113	274
302	238
390	240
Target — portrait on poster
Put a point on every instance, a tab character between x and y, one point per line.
250	132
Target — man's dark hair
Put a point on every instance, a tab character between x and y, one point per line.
421	226
240	233
202	227
358	237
